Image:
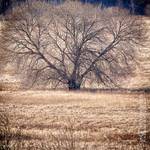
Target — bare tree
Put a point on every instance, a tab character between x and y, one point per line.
132	6
73	43
4	54
2	59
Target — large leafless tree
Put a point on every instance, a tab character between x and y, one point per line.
73	43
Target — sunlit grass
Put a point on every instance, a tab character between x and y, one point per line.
99	119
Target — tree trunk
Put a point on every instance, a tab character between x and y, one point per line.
73	85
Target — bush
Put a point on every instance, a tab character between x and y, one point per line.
4	130
9	139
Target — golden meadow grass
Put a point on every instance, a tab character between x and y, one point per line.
101	120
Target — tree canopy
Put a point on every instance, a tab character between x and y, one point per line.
72	44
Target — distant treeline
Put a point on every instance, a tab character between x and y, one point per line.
138	6
8	4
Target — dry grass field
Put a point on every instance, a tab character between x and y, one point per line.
64	120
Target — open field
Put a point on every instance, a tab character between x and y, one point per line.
99	120
63	120
81	120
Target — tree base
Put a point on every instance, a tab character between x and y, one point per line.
72	85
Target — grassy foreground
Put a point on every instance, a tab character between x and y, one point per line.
61	120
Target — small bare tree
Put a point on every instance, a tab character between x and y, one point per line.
3	53
4	58
73	43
